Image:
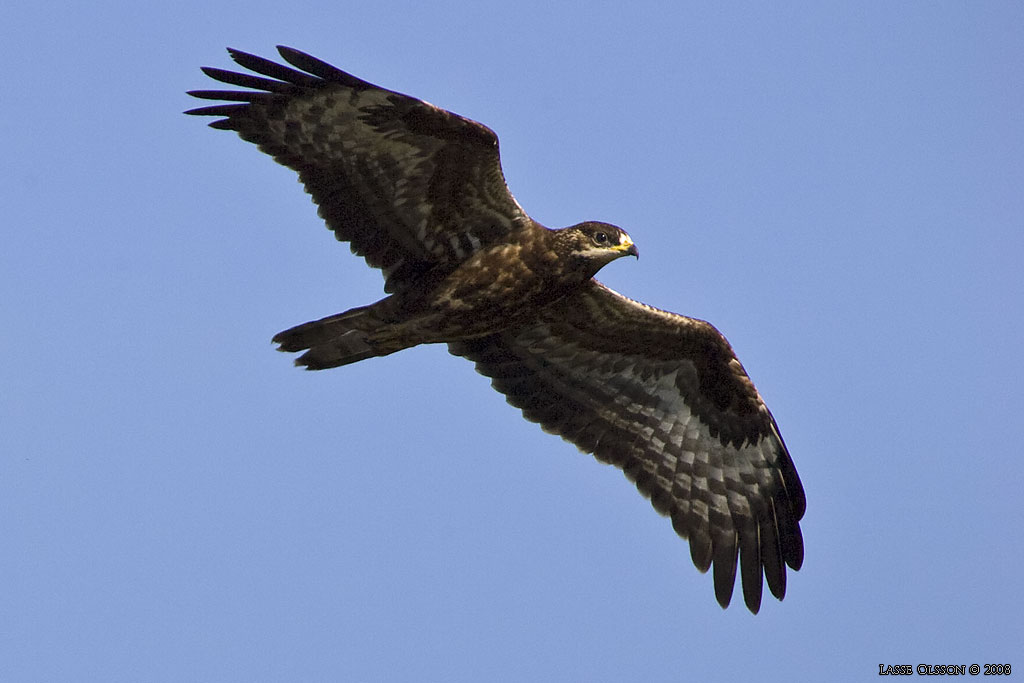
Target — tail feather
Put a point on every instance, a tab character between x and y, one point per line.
308	335
335	340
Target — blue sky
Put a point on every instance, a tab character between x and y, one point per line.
836	186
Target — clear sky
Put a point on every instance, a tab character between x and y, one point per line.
838	187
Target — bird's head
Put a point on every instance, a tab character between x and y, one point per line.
593	245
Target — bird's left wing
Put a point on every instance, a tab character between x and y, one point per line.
664	398
411	186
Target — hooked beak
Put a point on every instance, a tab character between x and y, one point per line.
627	247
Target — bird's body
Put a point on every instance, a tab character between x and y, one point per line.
496	288
419	192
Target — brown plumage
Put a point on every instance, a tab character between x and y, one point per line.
419	193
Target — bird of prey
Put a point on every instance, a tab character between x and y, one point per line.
419	192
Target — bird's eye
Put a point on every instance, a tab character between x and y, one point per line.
600	238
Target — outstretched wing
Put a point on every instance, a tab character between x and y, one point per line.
411	186
664	398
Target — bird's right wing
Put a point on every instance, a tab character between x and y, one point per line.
664	398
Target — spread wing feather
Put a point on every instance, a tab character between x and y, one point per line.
664	398
412	187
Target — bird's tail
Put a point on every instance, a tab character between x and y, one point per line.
339	339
